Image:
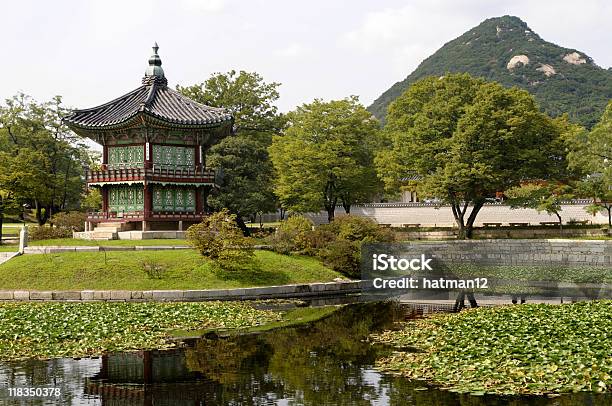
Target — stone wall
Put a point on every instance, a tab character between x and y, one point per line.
310	290
509	252
428	215
503	232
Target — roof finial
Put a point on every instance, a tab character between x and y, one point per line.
154	68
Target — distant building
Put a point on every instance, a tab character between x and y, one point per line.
153	176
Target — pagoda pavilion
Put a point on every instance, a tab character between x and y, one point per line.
153	178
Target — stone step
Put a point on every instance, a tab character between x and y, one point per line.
107	229
103	235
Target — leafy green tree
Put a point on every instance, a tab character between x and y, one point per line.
591	152
42	161
466	139
326	156
599	189
245	94
246	187
541	197
246	184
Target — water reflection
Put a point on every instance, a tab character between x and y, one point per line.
327	362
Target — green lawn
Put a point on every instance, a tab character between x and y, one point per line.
184	269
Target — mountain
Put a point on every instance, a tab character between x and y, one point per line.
506	50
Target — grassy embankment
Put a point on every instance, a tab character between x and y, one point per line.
527	349
73	242
52	330
180	269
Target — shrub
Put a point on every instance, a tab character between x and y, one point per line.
219	238
47	233
153	269
355	228
73	220
291	234
343	256
315	240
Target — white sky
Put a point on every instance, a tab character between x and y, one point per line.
92	51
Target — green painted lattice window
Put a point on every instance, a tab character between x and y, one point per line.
174	199
172	157
126	198
126	157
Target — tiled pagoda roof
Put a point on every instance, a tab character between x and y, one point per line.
153	101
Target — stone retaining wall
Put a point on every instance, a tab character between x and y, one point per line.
504	232
267	292
509	252
59	249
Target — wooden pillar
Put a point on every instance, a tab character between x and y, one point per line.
104	155
147	207
147	155
198	158
105	199
199	208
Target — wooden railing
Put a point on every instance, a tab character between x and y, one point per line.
142	215
197	174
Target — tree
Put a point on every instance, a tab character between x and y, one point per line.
466	139
246	184
242	158
600	190
42	161
326	156
250	100
591	153
541	197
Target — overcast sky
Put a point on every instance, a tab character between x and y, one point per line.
92	51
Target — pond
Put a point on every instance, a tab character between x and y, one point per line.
326	362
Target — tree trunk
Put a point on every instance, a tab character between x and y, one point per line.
243	226
41	217
346	204
458	214
469	227
330	198
466	227
330	212
609	208
282	213
560	223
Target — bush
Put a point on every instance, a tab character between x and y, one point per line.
219	238
291	234
47	233
355	228
337	244
343	256
315	240
153	269
72	220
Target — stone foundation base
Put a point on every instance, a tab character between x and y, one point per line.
130	235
